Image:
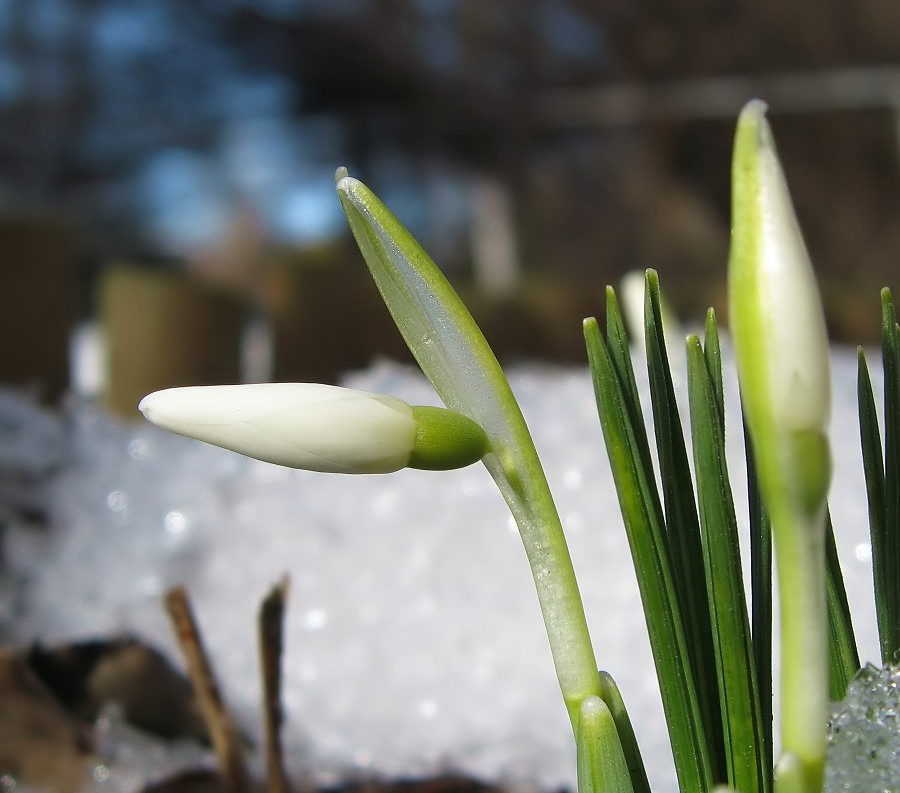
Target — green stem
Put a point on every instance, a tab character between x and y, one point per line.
799	560
531	504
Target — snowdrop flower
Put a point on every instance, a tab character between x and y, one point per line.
783	366
319	427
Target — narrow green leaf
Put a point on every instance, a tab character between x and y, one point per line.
843	656
736	673
712	351
620	356
873	470
887	547
611	695
761	602
601	765
617	342
644	525
682	525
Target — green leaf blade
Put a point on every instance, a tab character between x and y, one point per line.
873	470
761	601
644	525
842	652
682	523
743	732
886	547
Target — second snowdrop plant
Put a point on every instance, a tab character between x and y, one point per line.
711	644
782	352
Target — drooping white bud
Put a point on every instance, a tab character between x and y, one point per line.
318	427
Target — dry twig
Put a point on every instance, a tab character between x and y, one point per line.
271	629
222	732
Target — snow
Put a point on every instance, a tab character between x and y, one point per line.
862	734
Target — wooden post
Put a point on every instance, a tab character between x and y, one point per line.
164	329
37	304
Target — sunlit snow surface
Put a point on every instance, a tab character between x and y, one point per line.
414	641
864	734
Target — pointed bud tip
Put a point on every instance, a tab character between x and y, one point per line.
344	183
753	134
148	404
301	425
755	109
172	406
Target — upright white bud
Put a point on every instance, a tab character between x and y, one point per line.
776	318
319	427
776	312
783	365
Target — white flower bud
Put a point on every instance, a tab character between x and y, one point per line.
778	324
783	366
318	427
776	312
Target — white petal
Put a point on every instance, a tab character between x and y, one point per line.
800	381
301	425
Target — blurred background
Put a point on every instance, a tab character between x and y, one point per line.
167	205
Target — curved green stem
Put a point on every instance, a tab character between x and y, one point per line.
461	366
